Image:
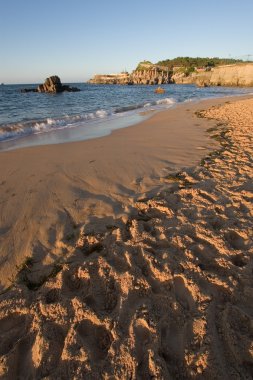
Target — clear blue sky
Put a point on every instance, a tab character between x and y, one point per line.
78	38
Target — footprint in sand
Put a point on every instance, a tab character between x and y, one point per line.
12	329
142	338
236	240
50	348
176	334
15	346
103	292
143	342
72	281
95	339
172	342
52	296
239	260
183	294
237	332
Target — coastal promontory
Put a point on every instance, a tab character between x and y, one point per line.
145	73
184	70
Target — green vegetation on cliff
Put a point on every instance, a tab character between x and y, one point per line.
144	65
198	62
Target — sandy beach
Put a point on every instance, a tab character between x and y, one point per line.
130	256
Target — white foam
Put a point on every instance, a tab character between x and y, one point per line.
12	131
101	113
166	101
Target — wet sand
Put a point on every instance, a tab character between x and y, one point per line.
129	256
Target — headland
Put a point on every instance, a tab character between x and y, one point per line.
185	70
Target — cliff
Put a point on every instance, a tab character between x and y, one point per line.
239	74
145	73
233	75
228	75
150	75
122	78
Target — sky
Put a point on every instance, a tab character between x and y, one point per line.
76	39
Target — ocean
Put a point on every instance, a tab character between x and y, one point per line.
35	118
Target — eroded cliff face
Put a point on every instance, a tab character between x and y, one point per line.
233	75
122	78
153	75
229	75
145	74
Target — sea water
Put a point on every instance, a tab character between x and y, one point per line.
40	118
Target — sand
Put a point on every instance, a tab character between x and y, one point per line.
130	256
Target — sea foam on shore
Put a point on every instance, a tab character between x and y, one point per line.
32	113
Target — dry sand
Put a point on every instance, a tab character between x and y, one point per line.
119	269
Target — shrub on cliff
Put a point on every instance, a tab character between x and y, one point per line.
198	62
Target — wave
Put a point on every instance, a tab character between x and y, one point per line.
11	131
164	102
22	129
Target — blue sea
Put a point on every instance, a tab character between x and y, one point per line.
94	111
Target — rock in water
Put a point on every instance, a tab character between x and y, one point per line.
29	90
52	85
159	90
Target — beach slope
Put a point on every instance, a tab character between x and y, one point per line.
135	264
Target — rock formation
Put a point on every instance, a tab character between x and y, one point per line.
144	74
52	85
239	74
232	75
122	78
228	75
151	76
29	90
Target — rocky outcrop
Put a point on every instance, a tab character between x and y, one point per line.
150	74
52	85
232	75
180	78
228	75
239	74
122	78
29	90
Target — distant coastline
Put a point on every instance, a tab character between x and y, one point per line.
199	71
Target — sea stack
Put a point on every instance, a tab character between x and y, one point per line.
52	85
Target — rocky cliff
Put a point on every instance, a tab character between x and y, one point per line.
122	78
233	75
240	74
152	75
144	74
227	75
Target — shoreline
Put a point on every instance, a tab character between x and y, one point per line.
96	128
133	250
117	169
